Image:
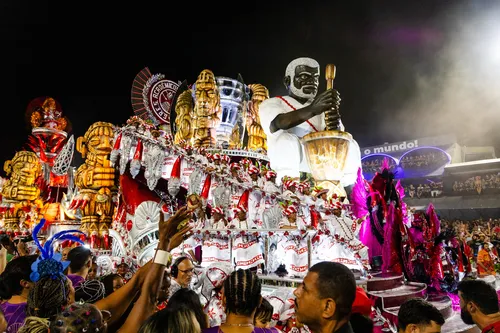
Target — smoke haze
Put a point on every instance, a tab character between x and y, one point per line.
457	89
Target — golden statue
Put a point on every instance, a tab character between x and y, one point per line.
95	180
256	135
206	115
24	169
235	139
20	190
184	111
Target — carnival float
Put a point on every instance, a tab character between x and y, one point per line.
266	178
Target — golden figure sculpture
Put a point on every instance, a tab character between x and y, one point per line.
184	111
48	116
95	180
256	135
206	115
235	139
20	190
23	169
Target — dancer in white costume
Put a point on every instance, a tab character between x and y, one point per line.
247	249
255	197
218	219
270	183
340	243
290	189
291	220
306	200
240	220
270	211
286	119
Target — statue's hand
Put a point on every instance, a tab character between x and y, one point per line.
27	192
327	100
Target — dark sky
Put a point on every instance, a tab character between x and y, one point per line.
398	64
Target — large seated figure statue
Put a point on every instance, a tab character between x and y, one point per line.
286	119
95	180
21	190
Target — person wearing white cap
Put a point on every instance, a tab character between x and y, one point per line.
291	220
269	209
290	189
235	172
217	221
306	200
240	220
254	174
346	230
321	200
255	197
225	162
270	183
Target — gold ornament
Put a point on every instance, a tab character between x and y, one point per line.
234	140
257	139
206	116
183	120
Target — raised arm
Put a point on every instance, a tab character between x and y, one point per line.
119	301
146	304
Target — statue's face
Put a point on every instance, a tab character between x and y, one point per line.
26	170
99	142
206	93
183	109
305	81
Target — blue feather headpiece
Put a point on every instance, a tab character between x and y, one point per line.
49	263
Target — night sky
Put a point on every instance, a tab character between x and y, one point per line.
403	71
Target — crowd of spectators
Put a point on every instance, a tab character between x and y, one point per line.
430	159
478	184
475	234
373	165
424	161
427	190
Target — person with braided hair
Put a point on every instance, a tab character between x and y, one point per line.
242	297
49	295
80	317
46	300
